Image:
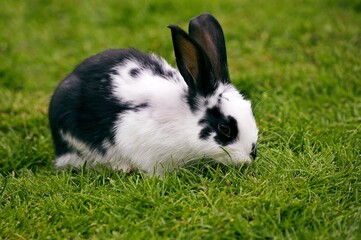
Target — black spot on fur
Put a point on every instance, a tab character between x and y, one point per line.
205	133
190	98
170	74
83	104
211	120
139	107
158	70
134	72
113	72
219	98
254	151
153	63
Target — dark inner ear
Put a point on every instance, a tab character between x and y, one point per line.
192	63
208	33
189	58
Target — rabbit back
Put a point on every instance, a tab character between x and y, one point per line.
90	104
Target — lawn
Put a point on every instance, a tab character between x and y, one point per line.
298	61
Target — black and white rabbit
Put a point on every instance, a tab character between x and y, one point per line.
130	110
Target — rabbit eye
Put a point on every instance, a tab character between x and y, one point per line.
224	129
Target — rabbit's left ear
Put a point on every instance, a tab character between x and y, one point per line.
208	33
193	63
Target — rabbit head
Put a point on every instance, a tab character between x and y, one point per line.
228	128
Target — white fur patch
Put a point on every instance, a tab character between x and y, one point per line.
69	159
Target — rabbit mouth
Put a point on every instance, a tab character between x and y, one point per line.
235	159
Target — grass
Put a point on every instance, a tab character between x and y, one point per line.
298	61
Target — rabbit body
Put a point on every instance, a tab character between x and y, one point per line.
131	110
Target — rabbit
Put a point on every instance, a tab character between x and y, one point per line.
130	110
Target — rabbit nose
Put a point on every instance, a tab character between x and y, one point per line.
254	151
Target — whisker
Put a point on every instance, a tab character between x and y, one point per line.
259	100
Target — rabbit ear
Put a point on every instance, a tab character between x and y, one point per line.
193	63
208	33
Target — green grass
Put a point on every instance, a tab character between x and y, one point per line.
298	61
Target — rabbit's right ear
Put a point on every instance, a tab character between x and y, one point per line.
208	33
193	63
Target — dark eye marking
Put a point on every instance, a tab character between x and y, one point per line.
225	127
